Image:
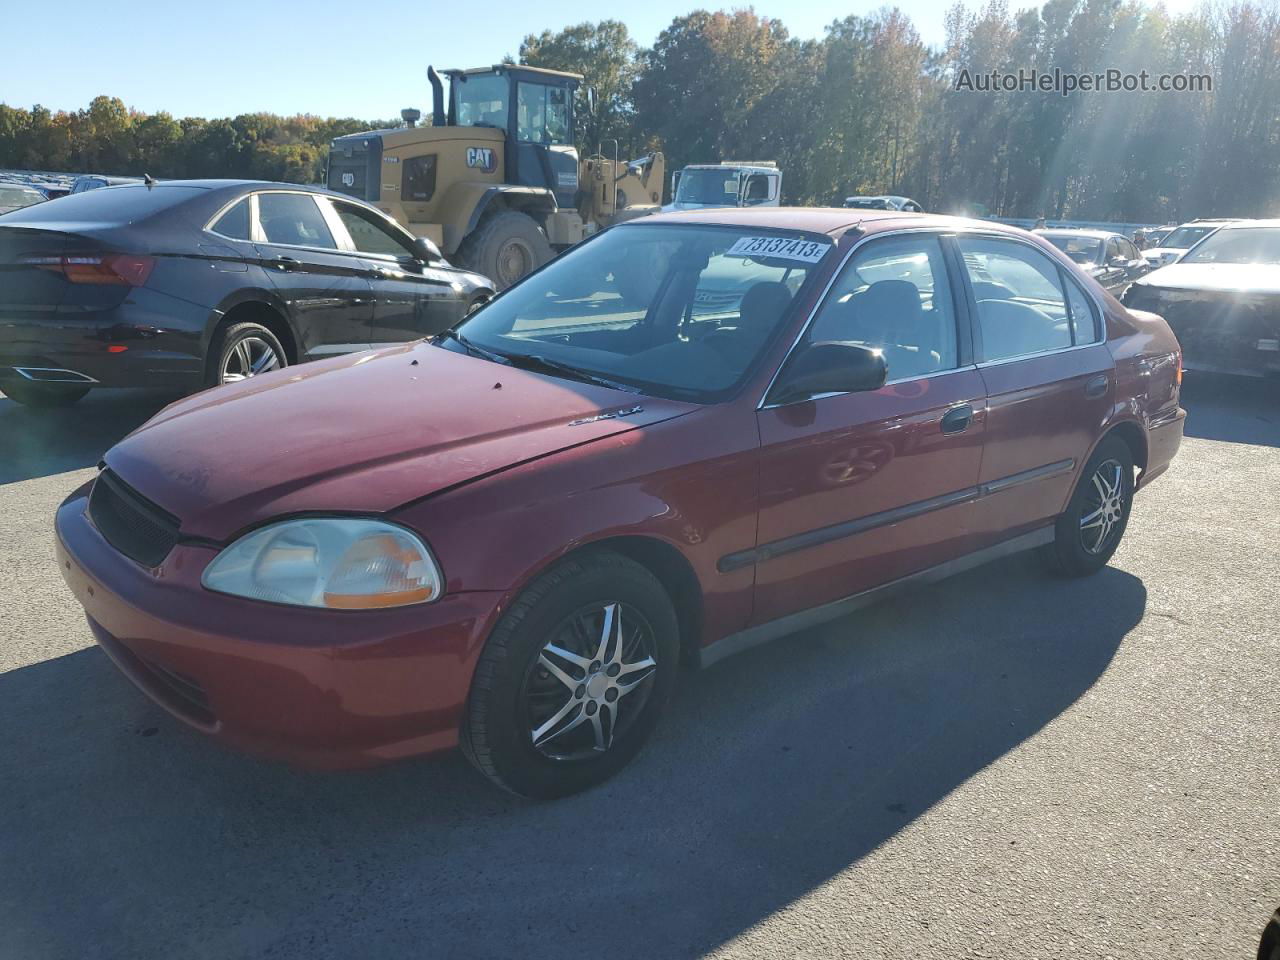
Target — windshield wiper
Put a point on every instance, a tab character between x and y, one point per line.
534	361
472	348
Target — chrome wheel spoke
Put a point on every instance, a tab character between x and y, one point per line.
604	738
553	669
648	665
1096	519
548	730
1100	485
612	628
268	361
582	663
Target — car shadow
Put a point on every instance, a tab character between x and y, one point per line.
126	835
1234	409
42	442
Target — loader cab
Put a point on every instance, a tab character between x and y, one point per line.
534	108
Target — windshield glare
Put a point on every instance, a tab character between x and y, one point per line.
1184	237
719	187
1250	245
1079	249
676	311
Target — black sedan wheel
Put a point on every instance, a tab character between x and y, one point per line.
573	678
245	350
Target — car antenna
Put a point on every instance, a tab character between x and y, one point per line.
149	180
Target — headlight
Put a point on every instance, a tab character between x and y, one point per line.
341	563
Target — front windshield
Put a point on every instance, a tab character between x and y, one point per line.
1185	237
1247	245
482	100
1079	249
675	311
708	187
18	196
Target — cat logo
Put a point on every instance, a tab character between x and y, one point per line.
482	158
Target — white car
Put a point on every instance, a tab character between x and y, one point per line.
1172	247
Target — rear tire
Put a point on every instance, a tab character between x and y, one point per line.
242	351
547	729
1088	532
31	394
505	247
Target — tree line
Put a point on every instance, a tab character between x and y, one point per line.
866	108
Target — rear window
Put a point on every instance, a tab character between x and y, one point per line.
109	204
234	224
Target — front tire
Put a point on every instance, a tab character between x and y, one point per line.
1088	532
31	394
573	679
505	247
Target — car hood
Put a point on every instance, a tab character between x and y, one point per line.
1216	277
363	433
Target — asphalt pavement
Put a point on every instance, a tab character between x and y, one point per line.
1002	765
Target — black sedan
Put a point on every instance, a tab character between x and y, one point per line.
1110	258
191	284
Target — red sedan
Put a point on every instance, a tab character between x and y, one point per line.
690	434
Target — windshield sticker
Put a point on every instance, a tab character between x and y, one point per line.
786	248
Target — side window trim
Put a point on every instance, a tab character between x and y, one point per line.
968	335
336	227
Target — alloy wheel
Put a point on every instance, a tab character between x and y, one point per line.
248	358
1104	507
590	682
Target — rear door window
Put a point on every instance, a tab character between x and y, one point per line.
1022	309
294	219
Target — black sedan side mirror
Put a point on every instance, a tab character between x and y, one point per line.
830	367
425	249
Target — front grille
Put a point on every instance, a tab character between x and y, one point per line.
1220	327
130	522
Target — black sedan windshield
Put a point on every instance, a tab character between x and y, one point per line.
1185	237
1079	249
1246	245
677	311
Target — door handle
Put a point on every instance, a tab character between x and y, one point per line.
1097	386
957	419
286	263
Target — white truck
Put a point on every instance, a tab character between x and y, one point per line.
701	186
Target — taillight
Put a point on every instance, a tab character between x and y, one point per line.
118	269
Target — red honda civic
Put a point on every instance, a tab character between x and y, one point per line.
688	435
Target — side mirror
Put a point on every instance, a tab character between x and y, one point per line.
830	367
425	249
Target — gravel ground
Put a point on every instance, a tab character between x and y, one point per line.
1005	765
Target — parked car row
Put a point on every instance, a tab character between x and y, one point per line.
190	284
1109	258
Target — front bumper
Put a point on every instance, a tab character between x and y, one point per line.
318	688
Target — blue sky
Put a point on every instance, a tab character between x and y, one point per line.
328	57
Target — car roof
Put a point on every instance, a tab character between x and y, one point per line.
1237	224
1079	232
833	221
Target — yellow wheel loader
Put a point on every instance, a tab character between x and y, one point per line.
495	180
